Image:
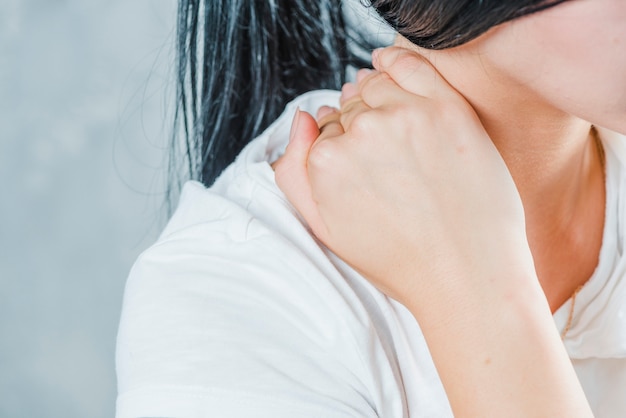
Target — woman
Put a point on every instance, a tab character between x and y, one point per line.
474	194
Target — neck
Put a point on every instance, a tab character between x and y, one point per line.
551	155
554	161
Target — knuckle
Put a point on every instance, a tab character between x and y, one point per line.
322	155
409	119
394	56
361	124
377	87
388	56
410	60
328	120
350	105
374	82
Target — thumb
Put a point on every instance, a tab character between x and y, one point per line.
291	173
410	70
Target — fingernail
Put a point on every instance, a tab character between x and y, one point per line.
294	124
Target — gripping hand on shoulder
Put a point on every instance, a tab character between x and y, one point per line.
404	183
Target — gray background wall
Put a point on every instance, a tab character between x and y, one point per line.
85	109
85	95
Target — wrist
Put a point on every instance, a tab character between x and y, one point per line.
464	292
498	352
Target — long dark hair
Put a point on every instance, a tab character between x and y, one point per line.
241	61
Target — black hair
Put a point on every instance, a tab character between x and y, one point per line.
442	24
240	61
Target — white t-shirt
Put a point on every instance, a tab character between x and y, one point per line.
237	311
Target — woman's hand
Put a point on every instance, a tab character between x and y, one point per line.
405	185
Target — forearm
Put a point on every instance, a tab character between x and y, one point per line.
499	354
425	208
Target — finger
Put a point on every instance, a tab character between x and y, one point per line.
327	119
291	173
381	90
409	70
330	130
350	110
346	104
301	137
348	90
324	111
362	74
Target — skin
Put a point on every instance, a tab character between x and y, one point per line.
473	193
407	187
535	111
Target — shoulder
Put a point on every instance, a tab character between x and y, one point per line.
213	318
237	308
219	253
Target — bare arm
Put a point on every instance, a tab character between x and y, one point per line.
405	185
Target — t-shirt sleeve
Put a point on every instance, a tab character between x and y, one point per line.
213	326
